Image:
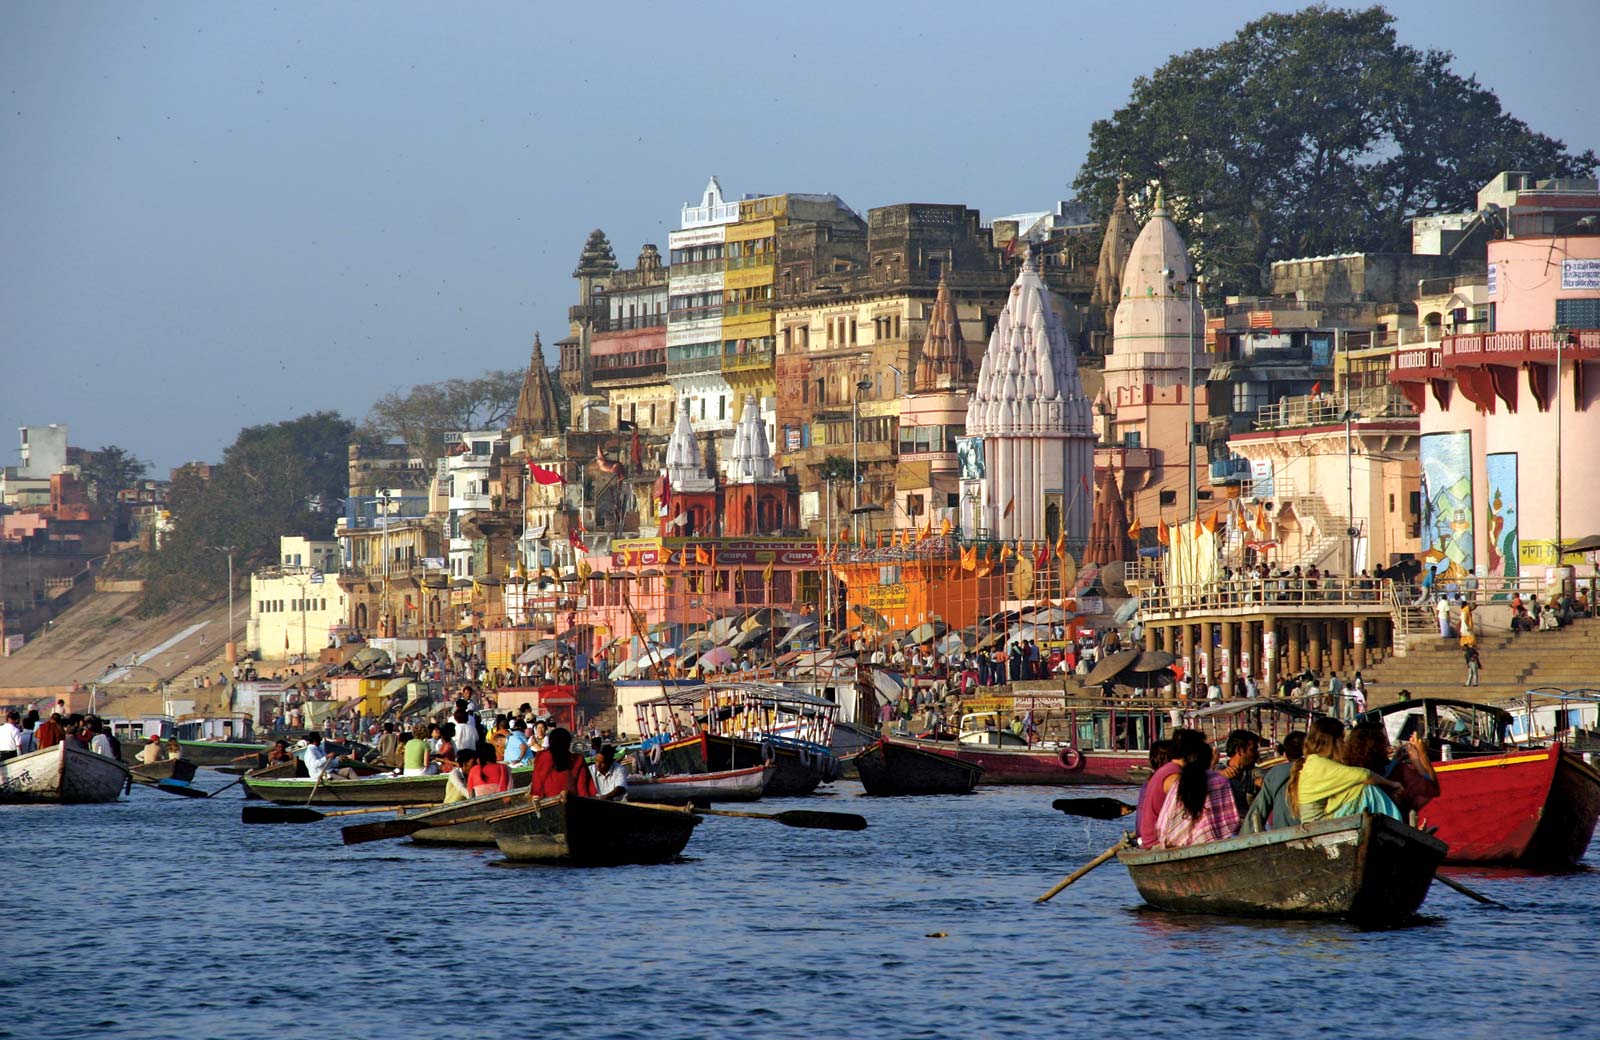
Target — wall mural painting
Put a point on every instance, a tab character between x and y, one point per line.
1447	504
1502	518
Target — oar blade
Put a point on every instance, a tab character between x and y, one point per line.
383	830
185	790
1093	808
821	821
278	814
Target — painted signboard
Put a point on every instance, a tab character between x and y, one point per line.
1504	557
1447	503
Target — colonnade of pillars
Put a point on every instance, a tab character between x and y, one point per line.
1270	648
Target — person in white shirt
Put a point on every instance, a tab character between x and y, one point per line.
10	737
1214	693
314	757
99	743
610	776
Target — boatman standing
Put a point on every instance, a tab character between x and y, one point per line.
10	736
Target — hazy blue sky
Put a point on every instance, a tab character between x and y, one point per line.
218	214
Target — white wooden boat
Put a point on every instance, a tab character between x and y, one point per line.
729	785
63	773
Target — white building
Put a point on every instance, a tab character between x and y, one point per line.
694	309
465	473
295	608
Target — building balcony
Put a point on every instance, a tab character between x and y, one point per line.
1230	471
630	323
749	361
1117	457
1515	348
1328	409
618	374
745	263
690	366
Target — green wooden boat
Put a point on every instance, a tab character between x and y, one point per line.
383	789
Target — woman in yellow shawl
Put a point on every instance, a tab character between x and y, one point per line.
1320	787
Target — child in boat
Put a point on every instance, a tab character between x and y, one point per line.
1320	785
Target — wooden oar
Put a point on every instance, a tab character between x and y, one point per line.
300	813
1076	874
224	787
1469	893
1093	808
383	830
179	787
810	819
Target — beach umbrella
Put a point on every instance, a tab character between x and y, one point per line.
872	617
724	629
538	651
750	637
1126	611
806	630
716	657
1022	633
1111	667
950	643
926	632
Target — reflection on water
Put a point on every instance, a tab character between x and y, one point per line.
161	917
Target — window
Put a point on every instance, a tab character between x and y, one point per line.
1391	503
1169	498
1578	314
913	505
1131	439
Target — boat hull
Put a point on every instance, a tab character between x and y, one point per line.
213	753
590	832
733	785
63	773
1527	808
1066	767
890	767
465	822
1373	870
797	770
180	769
377	790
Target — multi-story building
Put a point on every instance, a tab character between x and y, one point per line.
294	606
695	288
628	345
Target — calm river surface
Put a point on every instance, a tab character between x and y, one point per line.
166	917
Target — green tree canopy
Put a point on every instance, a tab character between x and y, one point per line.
1309	134
287	478
422	415
110	470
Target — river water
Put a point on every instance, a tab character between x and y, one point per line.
166	917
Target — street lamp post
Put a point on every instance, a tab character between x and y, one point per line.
1194	492
229	550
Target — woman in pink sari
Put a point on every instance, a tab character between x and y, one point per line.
1200	806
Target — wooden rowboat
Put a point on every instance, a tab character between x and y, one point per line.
892	767
733	785
180	769
800	767
1373	870
63	773
382	789
590	832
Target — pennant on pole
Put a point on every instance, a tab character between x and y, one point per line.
1133	531
1010	505
944	527
1163	532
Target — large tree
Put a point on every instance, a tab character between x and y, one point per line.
110	470
287	478
1308	134
421	416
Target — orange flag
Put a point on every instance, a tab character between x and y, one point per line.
1005	553
969	558
1163	533
1134	529
1061	544
766	573
944	526
1010	505
701	557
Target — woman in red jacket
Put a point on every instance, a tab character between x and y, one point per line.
557	770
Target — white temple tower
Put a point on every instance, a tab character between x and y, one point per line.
1034	419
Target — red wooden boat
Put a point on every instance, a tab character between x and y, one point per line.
1528	807
1111	746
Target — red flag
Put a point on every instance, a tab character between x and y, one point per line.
541	475
575	538
1316	388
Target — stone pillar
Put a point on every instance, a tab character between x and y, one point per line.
1149	637
1269	657
1360	629
1187	657
1336	644
1207	644
1230	655
1314	645
1250	649
1291	645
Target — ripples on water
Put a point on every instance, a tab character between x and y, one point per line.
166	917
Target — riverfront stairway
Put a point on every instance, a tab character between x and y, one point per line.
1568	658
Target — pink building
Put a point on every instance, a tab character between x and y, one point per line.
1509	422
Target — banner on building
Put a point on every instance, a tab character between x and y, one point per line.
1504	555
1447	503
1493	280
1580	274
969	457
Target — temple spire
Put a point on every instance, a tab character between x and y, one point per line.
536	402
684	471
944	360
752	458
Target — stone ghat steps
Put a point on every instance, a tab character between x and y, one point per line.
1434	667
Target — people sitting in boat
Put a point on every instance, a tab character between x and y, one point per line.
457	788
558	771
1320	785
1166	758
1408	765
152	752
1243	751
1199	806
417	756
279	753
488	775
610	776
518	751
444	746
389	745
100	741
49	732
1271	808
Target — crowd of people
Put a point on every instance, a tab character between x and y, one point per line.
1196	794
24	733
